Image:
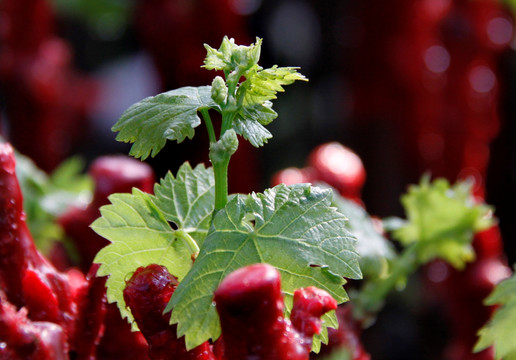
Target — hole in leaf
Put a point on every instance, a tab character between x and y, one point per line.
249	219
173	225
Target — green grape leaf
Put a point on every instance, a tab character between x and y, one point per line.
330	321
230	56
171	115
443	219
67	186
262	85
256	93
48	196
137	225
292	228
188	199
500	332
139	236
250	122
375	250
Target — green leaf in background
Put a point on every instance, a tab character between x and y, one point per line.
48	196
140	232
107	18
68	186
442	219
375	250
510	5
500	332
171	115
292	228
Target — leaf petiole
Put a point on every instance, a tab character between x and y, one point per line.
227	122
371	298
221	184
209	124
189	242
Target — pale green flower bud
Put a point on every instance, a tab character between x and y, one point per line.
219	91
225	147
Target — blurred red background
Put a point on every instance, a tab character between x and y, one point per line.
412	86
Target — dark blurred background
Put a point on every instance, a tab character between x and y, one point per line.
412	86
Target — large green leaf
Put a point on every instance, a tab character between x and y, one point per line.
292	228
171	115
138	227
500	331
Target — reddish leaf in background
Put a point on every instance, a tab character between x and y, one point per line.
111	174
173	32
46	98
24	339
347	336
48	297
24	273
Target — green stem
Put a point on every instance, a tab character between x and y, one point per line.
220	167
227	122
221	184
233	102
232	80
209	125
189	242
241	97
371	297
229	116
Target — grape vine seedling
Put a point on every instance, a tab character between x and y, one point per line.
293	228
209	275
197	234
